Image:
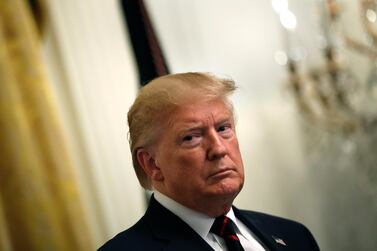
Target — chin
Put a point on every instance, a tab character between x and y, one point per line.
229	188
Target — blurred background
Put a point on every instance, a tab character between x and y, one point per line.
306	111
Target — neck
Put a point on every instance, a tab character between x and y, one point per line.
214	207
211	207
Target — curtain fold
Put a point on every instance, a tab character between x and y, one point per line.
149	56
4	237
40	201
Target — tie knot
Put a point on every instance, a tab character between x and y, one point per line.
223	226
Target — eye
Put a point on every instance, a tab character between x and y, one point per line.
188	138
225	130
191	140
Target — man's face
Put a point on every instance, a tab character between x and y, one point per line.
199	157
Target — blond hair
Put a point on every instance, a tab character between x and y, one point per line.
159	98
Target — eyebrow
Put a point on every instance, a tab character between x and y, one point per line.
189	128
191	125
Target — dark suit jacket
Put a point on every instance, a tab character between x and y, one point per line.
160	229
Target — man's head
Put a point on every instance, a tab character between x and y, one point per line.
183	140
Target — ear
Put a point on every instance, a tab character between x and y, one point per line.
148	163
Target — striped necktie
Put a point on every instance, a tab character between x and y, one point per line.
225	228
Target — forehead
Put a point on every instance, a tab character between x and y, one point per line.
201	113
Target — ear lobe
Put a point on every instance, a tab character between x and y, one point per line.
148	163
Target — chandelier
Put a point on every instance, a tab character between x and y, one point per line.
337	94
329	94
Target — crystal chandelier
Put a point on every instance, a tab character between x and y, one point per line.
337	93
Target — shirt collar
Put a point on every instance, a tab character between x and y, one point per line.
200	222
236	222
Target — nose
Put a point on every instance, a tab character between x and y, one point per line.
216	146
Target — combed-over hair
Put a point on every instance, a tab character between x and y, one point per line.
159	98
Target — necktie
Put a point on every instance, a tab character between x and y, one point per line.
225	228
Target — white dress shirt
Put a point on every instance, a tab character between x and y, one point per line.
202	223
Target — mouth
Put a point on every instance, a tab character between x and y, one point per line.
222	173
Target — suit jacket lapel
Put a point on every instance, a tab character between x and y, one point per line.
171	230
175	234
267	238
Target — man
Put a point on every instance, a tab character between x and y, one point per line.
184	148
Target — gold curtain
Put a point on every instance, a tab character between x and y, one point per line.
40	208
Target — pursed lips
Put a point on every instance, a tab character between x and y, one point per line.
220	171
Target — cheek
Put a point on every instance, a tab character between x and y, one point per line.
235	150
189	159
190	165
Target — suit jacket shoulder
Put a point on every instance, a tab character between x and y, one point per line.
158	229
138	237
